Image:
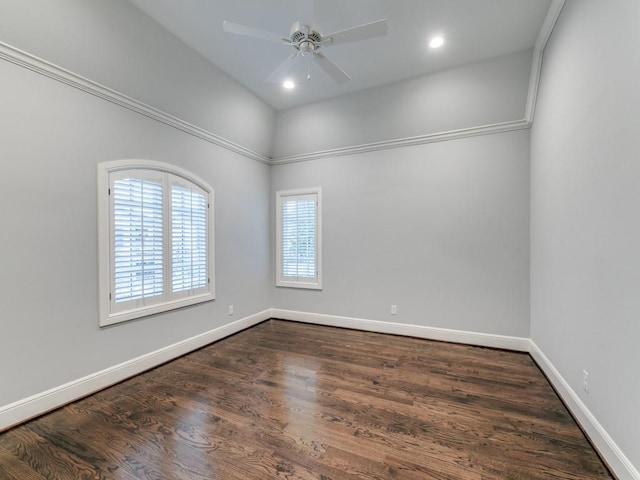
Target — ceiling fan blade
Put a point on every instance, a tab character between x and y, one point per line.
247	31
305	12
277	76
361	32
333	70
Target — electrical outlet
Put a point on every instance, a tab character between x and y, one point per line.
230	309
394	309
585	380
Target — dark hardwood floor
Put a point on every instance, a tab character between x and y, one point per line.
293	401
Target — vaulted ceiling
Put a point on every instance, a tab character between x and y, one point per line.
473	30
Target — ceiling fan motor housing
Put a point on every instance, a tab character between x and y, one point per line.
305	38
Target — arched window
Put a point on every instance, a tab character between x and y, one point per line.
155	237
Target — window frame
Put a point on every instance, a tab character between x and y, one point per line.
281	280
108	315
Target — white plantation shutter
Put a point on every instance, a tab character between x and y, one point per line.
138	239
155	239
298	226
188	238
299	237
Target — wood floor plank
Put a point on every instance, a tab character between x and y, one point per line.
291	401
13	468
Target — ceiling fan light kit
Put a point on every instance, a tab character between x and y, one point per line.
306	39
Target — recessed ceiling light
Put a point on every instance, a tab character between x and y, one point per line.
288	84
436	42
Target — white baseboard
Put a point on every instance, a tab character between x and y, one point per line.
43	402
610	452
608	449
519	344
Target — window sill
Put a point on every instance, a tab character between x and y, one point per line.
127	315
308	286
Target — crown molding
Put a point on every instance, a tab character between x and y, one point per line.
534	82
407	142
38	65
538	53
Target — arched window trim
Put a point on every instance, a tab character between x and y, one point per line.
110	312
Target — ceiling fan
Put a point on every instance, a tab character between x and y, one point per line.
307	41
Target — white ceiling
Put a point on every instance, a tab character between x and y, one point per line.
473	30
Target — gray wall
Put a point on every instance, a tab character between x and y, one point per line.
483	93
115	44
52	137
585	233
441	230
467	193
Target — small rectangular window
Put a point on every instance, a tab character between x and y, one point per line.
299	238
